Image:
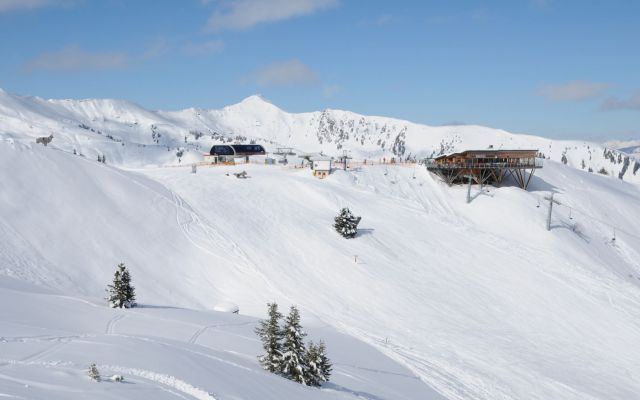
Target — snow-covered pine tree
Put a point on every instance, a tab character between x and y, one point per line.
312	376
346	224
324	364
293	350
93	373
121	293
271	335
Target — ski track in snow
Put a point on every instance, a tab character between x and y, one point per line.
109	330
196	335
39	355
210	236
158	378
189	350
162	379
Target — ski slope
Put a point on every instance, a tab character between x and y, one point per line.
478	299
436	298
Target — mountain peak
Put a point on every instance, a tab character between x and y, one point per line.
256	101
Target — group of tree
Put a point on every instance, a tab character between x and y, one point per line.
285	351
121	291
102	158
346	224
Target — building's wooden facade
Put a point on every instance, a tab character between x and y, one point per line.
486	166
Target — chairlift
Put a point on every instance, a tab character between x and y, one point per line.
570	217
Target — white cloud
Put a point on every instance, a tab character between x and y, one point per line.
12	5
573	91
286	73
72	58
244	14
205	48
615	103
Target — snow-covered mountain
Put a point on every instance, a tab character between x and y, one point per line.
631	147
129	134
435	298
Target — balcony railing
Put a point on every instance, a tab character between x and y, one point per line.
472	164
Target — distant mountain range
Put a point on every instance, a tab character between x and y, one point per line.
128	134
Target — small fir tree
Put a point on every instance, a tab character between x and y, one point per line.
346	224
293	356
312	376
271	335
121	292
93	373
324	364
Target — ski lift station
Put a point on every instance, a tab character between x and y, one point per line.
486	166
229	153
321	166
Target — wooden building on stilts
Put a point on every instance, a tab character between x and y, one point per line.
486	166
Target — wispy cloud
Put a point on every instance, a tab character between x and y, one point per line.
13	5
244	14
331	90
573	91
616	103
73	58
286	73
205	48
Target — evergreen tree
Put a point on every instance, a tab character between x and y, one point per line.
324	364
271	336
121	293
93	373
293	356
346	224
312	376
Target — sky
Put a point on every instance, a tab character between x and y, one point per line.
554	68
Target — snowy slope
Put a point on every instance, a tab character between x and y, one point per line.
49	340
131	135
477	300
631	147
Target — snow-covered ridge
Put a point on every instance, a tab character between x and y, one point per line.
631	147
128	134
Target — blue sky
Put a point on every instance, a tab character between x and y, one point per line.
556	68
